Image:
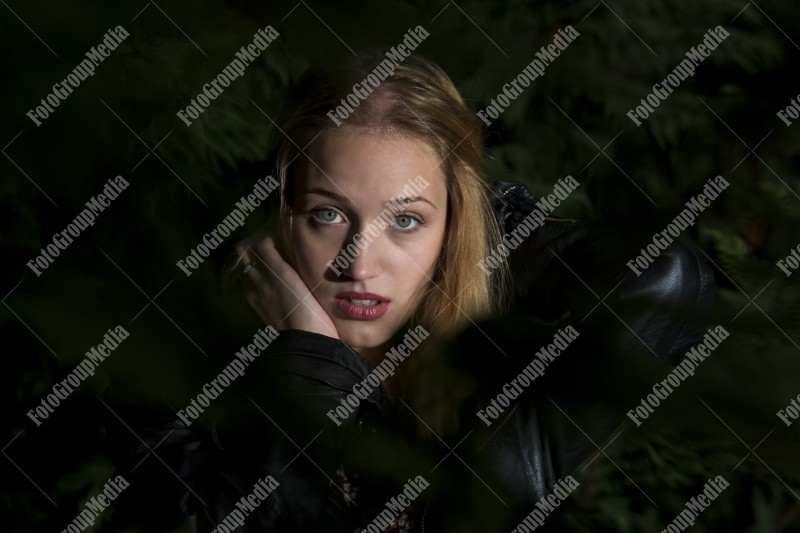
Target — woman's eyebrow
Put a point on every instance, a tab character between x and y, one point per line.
411	200
340	198
328	193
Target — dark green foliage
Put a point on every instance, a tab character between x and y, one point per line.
710	125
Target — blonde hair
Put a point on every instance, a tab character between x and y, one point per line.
419	101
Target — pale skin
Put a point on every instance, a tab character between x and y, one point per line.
344	186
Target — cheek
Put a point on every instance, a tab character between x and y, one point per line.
312	255
418	262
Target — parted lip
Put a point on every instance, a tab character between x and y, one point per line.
361	296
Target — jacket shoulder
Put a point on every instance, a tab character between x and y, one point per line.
571	266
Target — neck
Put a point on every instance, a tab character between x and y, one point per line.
377	354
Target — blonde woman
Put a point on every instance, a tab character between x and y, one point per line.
394	343
412	141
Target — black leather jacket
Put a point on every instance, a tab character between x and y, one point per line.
482	478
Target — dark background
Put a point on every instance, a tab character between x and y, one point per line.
721	121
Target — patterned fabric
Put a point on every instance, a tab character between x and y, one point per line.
345	494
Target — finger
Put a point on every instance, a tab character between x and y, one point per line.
243	250
240	250
258	293
265	249
279	270
252	274
250	269
271	274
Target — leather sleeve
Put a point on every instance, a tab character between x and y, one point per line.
631	328
255	428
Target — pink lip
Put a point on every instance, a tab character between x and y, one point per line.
361	312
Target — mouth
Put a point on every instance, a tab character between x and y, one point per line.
362	305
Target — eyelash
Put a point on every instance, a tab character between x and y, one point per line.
412	216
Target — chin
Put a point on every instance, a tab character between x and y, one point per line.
358	334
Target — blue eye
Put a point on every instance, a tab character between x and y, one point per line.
326	215
406	222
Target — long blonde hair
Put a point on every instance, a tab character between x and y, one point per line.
420	101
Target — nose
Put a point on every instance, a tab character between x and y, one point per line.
366	261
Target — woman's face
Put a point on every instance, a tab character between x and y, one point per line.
342	188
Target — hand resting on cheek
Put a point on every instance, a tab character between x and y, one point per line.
275	291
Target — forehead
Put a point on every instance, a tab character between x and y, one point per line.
370	167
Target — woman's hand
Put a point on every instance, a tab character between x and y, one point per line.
276	292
